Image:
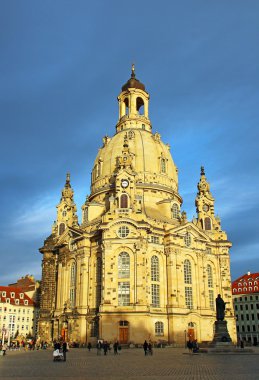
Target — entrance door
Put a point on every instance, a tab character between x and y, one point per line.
123	335
191	334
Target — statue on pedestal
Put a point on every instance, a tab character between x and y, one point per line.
220	308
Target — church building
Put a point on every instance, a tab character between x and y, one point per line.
135	268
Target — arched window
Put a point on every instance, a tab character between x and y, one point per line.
163	165
207	223
175	211
123	293
61	228
210	277
73	275
126	107
187	272
188	280
98	281
124	201
159	328
187	239
154	268
140	106
72	291
124	265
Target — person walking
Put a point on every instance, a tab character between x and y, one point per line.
4	348
150	349
99	348
89	346
189	345
145	346
115	348
105	347
64	348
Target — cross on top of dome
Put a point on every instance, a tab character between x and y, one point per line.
133	82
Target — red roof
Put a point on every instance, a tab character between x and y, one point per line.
14	294
246	284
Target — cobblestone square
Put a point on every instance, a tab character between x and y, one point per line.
130	364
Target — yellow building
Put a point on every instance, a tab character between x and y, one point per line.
135	268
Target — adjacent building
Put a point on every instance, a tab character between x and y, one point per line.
18	313
245	292
134	268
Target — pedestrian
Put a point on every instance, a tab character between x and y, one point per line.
89	346
4	348
150	349
115	347
195	347
145	346
64	348
99	347
105	347
189	345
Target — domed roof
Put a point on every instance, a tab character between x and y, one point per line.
147	151
133	82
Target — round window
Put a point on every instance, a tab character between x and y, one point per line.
123	231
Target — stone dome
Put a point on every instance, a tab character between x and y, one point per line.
147	151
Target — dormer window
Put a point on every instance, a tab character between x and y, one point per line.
3	294
21	296
207	224
124	201
61	228
163	165
12	294
187	239
17	302
7	300
175	211
25	302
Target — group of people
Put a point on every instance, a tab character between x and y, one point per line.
60	350
106	347
148	350
193	346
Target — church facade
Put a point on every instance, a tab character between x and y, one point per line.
135	268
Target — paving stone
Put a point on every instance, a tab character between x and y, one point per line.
131	364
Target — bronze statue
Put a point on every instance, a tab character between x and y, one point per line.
220	308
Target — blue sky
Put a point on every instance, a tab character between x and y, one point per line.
62	66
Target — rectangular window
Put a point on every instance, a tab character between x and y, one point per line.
154	239
94	329
72	297
124	293
211	298
188	297
155	295
252	306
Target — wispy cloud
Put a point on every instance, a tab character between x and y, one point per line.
34	220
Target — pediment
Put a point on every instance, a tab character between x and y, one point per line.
70	232
192	229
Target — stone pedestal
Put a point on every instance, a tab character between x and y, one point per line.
221	335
